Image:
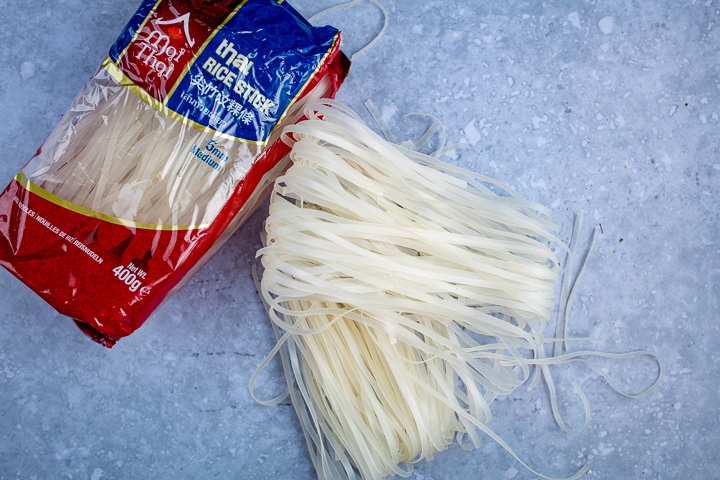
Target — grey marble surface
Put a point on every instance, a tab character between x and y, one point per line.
609	109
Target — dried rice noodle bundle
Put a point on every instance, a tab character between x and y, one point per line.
131	161
406	293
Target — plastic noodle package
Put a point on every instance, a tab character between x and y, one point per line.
162	155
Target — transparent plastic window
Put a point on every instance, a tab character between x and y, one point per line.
116	155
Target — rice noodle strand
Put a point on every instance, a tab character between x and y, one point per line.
407	294
341	6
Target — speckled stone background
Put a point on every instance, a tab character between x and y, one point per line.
608	109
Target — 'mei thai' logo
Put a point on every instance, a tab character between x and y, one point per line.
156	50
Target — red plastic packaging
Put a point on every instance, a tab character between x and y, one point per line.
161	156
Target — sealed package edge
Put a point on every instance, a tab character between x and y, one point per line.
162	155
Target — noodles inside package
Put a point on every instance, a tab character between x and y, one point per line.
162	155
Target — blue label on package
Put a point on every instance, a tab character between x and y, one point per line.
218	72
